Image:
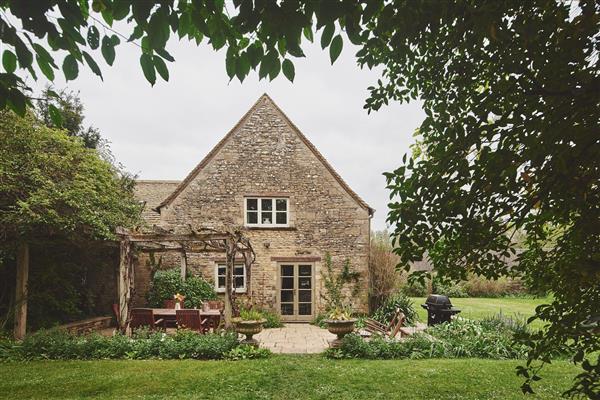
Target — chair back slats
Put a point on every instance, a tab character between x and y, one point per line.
142	317
215	305
190	319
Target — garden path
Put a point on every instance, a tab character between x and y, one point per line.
295	339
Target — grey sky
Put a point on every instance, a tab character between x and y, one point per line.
162	132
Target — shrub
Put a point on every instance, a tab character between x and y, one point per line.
448	288
245	352
272	320
167	283
415	289
59	345
493	339
384	278
385	313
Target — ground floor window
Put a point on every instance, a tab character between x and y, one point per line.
239	278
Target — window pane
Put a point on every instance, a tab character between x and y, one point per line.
287	283
281	218
304	309
304	283
221	270
281	204
238	270
304	270
252	204
287	309
252	217
305	296
287	270
221	281
267	218
266	204
287	296
239	281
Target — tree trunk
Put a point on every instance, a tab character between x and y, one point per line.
20	327
230	257
124	284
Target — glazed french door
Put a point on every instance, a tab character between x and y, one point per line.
296	291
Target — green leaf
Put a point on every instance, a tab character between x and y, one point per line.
275	69
108	50
308	33
92	64
165	54
46	68
17	101
336	48
288	69
55	115
148	68
70	67
9	61
161	67
93	37
327	35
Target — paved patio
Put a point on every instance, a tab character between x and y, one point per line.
295	339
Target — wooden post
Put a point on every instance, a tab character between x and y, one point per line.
229	265
183	264
124	283
20	327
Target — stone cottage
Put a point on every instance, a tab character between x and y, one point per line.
267	177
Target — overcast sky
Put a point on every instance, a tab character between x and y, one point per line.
162	132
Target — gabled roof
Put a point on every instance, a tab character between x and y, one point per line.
304	139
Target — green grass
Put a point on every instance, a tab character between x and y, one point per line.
281	377
479	308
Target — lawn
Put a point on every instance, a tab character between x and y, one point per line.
281	377
479	308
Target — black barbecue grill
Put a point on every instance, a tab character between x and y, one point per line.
439	309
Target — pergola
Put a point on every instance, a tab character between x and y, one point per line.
204	240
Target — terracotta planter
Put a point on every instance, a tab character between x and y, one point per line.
340	328
249	328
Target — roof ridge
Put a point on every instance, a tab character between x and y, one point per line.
303	138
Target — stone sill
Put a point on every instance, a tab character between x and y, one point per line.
271	228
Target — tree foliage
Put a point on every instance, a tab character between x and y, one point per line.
66	108
51	185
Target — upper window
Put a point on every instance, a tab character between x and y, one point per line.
266	211
239	278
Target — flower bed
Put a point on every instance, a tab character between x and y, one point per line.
60	345
492	339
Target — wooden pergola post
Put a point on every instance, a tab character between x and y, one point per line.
20	326
229	266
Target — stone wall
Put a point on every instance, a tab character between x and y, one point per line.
266	156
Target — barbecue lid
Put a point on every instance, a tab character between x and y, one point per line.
439	300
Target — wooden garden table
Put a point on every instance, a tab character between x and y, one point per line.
168	314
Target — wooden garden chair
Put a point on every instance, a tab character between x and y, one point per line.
190	319
391	330
144	317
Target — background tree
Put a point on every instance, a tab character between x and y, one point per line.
71	115
511	90
60	201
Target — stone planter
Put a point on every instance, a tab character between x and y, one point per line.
248	328
340	328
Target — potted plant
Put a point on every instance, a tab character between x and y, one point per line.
179	298
340	322
249	323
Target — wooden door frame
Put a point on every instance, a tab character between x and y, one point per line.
296	317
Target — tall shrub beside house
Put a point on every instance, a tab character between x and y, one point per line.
384	278
54	191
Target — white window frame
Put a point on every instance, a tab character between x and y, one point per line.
274	212
222	289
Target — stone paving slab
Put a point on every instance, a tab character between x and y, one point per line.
295	339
